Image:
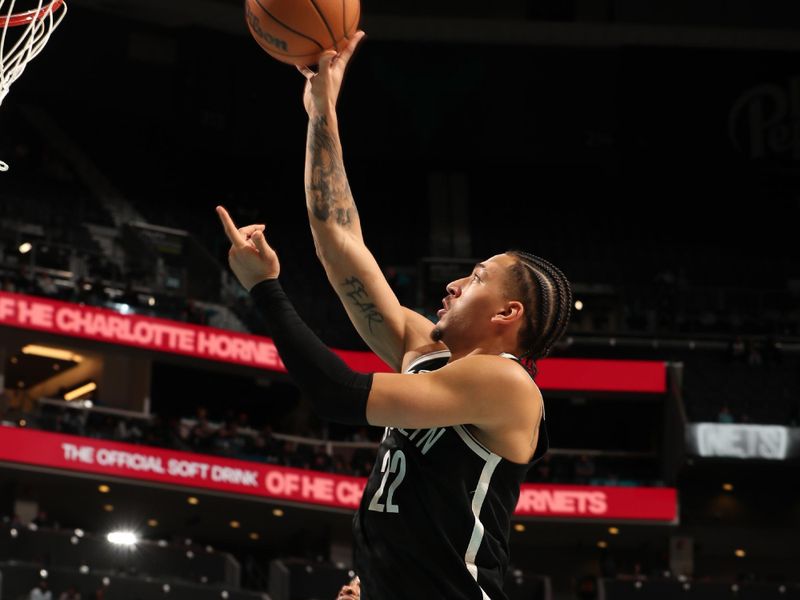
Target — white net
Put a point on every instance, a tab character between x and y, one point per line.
22	37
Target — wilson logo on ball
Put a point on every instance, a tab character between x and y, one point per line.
255	27
297	32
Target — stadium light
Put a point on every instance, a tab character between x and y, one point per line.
80	391
49	352
122	538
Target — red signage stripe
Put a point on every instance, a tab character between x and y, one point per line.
114	459
597	375
599	502
162	335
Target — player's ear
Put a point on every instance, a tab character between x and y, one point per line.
511	312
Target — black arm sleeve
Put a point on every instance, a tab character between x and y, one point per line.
336	392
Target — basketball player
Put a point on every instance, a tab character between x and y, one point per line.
462	432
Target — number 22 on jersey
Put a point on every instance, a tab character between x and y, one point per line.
396	464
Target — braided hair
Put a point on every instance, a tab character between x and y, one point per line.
547	297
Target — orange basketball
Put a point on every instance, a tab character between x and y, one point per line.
298	31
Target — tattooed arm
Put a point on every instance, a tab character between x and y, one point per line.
395	333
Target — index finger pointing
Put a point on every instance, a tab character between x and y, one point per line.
230	229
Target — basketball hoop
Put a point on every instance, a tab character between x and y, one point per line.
32	31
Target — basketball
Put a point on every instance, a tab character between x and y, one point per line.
298	31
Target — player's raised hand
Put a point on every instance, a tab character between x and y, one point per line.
251	258
322	88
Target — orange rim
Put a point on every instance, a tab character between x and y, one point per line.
31	15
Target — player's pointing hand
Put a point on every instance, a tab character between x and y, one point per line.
251	258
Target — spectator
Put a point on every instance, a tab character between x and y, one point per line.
41	519
360	435
71	593
543	469
361	462
202	433
227	439
127	431
584	469
129	295
725	415
47	285
267	446
737	350
321	461
754	357
339	466
608	566
193	313
71	421
243	420
40	592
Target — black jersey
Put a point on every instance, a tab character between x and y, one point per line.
435	516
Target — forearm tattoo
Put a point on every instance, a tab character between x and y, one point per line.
355	290
327	190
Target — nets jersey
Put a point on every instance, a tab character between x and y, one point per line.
435	516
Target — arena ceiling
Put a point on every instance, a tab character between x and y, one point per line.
576	23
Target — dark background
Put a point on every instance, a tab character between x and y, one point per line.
650	149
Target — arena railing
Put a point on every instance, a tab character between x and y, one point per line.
616	468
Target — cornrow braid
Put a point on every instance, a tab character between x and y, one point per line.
547	298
